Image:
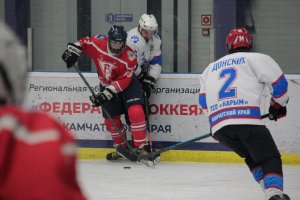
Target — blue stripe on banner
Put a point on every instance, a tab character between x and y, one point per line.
258	174
236	112
156	144
280	87
202	100
156	60
273	180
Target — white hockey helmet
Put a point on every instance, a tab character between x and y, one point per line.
148	22
13	67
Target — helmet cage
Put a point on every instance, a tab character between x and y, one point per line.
117	34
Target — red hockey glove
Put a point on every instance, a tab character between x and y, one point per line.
276	111
102	97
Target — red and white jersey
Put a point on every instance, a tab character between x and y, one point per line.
37	157
232	88
113	72
147	52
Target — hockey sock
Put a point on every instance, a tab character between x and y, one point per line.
138	125
258	174
113	131
273	185
273	179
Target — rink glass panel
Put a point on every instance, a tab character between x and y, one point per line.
184	47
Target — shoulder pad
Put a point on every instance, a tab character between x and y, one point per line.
100	37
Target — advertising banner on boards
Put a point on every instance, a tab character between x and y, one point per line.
175	111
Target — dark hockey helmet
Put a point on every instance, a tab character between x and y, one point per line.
117	34
238	38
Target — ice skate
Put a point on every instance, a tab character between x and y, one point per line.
280	197
113	156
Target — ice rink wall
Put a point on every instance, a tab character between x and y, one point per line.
175	116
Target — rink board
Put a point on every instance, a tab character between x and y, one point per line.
175	116
188	156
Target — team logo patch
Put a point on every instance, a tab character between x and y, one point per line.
100	37
131	55
134	39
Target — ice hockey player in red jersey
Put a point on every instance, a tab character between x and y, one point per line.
120	91
231	92
37	155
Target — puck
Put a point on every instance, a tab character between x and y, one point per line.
127	167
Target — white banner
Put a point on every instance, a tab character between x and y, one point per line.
175	112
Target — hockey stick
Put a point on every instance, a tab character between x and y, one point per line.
147	121
265	116
135	155
180	144
84	80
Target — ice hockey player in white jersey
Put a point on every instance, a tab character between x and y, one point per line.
147	45
231	92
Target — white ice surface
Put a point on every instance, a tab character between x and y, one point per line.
175	181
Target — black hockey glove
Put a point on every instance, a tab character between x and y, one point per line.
102	97
148	85
276	111
71	54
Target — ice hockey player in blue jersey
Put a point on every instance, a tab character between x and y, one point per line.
231	92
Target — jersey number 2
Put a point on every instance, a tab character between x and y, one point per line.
226	91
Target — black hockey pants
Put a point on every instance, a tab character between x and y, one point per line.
254	143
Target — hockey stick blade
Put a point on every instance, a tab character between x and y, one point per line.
133	157
125	153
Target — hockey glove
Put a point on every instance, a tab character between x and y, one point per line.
148	85
276	111
71	54
102	97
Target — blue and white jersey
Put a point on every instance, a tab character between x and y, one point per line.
148	53
232	88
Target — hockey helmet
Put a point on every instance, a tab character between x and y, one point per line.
238	38
13	67
148	22
117	34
